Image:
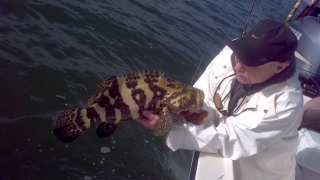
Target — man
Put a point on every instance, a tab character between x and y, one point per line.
254	104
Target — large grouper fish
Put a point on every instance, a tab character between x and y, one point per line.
121	98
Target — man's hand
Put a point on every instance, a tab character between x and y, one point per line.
194	118
150	121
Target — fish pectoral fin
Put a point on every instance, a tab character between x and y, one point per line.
106	129
164	125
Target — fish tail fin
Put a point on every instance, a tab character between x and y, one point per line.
70	123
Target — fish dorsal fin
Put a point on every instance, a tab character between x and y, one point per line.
143	74
113	82
152	73
104	86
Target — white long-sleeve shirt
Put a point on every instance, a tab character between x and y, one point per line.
262	140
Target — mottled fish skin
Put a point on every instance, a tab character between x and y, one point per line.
120	98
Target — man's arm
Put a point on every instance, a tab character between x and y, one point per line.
243	135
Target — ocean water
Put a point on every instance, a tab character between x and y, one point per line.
54	53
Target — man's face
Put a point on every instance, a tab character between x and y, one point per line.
258	74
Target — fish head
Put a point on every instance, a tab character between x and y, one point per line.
196	100
191	100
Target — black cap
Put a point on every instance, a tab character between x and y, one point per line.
267	41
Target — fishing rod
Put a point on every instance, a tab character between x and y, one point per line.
293	11
243	33
248	18
196	154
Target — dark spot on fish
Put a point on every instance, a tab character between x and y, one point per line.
114	89
104	101
78	120
93	116
123	107
150	80
132	84
142	99
159	94
171	85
